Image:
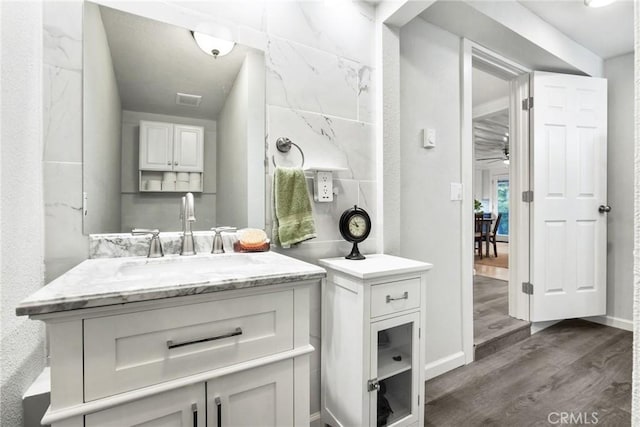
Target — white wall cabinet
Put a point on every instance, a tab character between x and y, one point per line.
171	147
239	356
188	152
156	146
373	353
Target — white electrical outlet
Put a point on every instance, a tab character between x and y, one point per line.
323	186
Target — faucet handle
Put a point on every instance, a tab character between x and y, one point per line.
219	230
153	231
155	246
217	247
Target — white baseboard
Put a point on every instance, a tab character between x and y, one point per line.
314	420
444	364
614	322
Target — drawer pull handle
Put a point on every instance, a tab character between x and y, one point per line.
219	405
404	296
171	344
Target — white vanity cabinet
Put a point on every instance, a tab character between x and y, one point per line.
373	351
171	147
233	358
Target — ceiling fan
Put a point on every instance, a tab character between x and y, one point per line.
504	157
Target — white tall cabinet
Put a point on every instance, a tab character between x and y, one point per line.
373	351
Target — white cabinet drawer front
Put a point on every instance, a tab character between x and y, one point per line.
130	351
391	297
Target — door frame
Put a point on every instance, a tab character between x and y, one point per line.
487	60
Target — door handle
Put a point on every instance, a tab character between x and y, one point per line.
603	208
194	410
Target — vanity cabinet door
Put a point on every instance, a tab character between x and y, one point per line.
188	150
183	407
258	397
156	145
395	353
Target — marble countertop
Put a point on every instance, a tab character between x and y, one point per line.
108	281
375	266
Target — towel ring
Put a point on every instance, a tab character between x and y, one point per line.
283	144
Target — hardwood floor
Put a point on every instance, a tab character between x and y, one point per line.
492	270
493	328
574	367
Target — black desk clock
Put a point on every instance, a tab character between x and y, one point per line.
355	226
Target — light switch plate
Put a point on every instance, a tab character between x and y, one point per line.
428	138
323	186
456	191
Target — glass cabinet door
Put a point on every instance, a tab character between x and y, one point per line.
394	370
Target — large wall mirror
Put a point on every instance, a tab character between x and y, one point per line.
138	70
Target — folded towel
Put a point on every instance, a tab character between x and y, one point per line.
292	216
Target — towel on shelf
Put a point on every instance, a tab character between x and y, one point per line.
292	215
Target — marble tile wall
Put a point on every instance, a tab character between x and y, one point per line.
319	90
65	245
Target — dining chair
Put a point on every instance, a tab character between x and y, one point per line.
480	235
493	235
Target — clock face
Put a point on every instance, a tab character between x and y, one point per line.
357	226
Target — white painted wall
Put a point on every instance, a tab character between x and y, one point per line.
241	128
619	73
430	98
157	210
102	129
21	204
232	153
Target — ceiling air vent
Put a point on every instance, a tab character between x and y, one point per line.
188	100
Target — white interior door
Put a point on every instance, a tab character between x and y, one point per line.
569	172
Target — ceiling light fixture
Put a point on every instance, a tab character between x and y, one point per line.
212	45
597	3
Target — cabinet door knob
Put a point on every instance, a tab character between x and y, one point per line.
169	163
175	163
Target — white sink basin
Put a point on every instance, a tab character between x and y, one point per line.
186	266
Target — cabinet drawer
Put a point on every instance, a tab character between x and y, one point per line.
391	297
130	351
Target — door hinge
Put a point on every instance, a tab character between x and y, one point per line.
527	196
527	288
419	332
527	103
373	385
418	400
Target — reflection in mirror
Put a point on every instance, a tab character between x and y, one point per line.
162	117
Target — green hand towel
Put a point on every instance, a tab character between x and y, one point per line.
292	216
